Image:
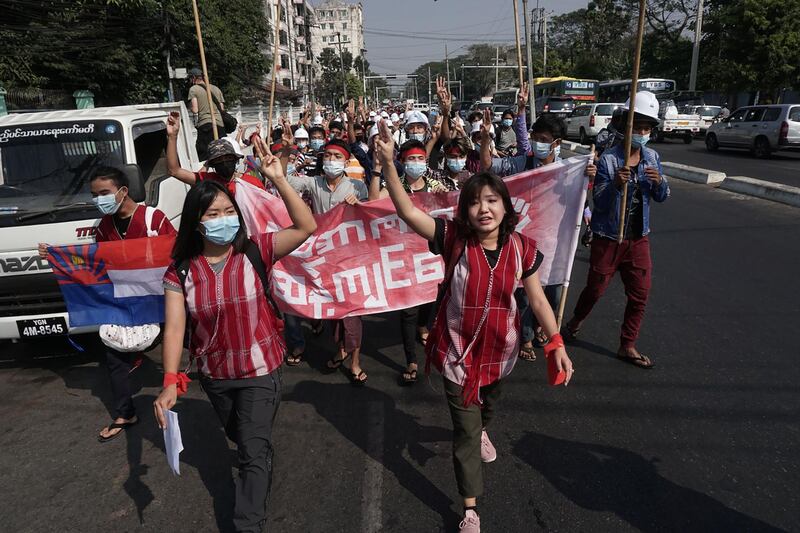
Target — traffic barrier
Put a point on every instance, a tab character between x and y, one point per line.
777	192
576	148
693	174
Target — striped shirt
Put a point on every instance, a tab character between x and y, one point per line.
234	331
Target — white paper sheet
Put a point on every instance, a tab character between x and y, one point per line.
172	442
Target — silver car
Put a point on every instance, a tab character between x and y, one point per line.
762	129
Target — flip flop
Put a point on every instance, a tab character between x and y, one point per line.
422	337
569	334
409	377
642	361
357	380
294	359
526	353
122	427
334	363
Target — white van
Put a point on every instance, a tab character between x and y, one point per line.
45	161
586	121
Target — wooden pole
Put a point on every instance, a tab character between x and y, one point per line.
211	105
629	126
274	72
519	46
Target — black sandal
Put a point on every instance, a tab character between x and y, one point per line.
294	359
526	353
569	334
121	426
357	380
423	337
334	363
409	377
642	361
541	339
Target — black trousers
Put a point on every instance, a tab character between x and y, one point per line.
119	368
205	134
247	409
411	319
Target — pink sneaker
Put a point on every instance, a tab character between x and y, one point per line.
471	523
488	453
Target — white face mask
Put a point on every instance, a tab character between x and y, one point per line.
333	169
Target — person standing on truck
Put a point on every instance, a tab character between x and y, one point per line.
123	219
221	157
201	112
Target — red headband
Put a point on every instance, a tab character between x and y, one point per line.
344	151
414	150
455	150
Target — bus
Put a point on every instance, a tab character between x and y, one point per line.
620	90
582	91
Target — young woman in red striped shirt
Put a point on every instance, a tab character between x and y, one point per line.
474	340
234	333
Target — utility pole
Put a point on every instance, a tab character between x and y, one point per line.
364	70
496	70
430	101
544	58
289	22
447	65
341	65
696	48
168	43
531	99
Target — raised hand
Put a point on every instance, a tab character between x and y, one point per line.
384	144
522	96
351	110
486	125
173	124
443	94
287	137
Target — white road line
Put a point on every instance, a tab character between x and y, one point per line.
372	484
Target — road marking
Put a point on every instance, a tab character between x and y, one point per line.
372	483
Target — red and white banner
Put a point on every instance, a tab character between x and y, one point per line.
363	259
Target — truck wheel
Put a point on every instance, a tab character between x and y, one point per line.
761	148
711	142
583	138
687	139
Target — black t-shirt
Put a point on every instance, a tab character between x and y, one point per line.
636	213
121	224
436	246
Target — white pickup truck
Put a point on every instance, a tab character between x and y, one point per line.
676	125
45	161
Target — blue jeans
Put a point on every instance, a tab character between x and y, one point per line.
527	320
293	331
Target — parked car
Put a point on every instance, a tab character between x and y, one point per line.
558	105
708	115
587	120
762	129
674	124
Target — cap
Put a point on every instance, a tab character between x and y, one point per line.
301	133
317	120
219	148
646	105
195	72
395	117
373	131
384	114
476	128
373	114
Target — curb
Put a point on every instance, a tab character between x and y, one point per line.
766	190
785	194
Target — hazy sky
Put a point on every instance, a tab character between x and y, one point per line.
455	20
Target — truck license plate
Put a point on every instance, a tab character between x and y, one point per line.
42	327
683	123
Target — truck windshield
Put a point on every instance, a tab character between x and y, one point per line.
47	165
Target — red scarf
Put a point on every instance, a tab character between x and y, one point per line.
475	338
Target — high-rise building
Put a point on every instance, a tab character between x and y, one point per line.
293	68
335	21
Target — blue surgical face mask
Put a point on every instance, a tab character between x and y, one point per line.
639	140
456	164
107	203
557	151
542	150
416	137
415	169
290	169
333	169
302	144
317	144
507	122
221	230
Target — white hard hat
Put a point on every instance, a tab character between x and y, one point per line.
416	117
372	114
301	133
317	120
373	131
384	114
645	104
395	117
476	128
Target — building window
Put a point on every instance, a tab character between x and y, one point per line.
324	39
284	61
287	82
283	38
344	25
343	13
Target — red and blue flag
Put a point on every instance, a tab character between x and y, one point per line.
115	282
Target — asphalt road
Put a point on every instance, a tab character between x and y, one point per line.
781	167
707	441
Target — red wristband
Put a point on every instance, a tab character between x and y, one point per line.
555	343
177	378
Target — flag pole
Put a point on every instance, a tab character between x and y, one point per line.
211	105
519	46
274	72
562	303
629	126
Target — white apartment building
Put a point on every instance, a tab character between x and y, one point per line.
335	19
293	67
